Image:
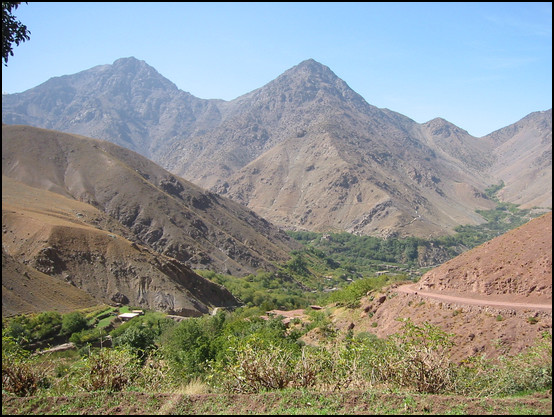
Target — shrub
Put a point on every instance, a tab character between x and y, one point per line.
72	323
29	329
141	339
191	343
341	366
19	376
416	358
87	336
256	369
530	370
110	369
157	374
351	295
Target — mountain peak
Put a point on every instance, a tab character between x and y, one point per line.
444	128
136	73
131	62
311	67
310	63
135	65
308	80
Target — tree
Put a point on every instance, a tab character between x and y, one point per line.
72	323
13	31
142	338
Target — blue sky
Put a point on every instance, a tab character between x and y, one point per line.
481	66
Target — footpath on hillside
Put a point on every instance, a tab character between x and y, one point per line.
412	289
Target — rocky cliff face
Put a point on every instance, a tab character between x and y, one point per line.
304	151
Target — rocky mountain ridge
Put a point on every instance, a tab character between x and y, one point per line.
304	151
523	160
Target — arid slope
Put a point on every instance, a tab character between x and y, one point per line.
514	268
158	209
60	254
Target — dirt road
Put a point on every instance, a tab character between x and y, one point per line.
412	289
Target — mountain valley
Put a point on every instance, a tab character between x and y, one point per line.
116	184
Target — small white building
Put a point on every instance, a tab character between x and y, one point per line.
127	316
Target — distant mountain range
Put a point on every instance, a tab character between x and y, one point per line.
304	151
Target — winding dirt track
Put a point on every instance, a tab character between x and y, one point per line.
410	289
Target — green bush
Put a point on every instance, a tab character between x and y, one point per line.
142	339
72	323
87	336
192	342
416	358
142	333
530	370
32	328
254	367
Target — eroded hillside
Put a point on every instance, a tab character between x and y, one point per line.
61	255
156	208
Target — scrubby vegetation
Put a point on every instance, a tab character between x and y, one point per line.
241	352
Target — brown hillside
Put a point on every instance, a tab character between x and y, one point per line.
157	209
61	254
26	290
516	266
495	299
